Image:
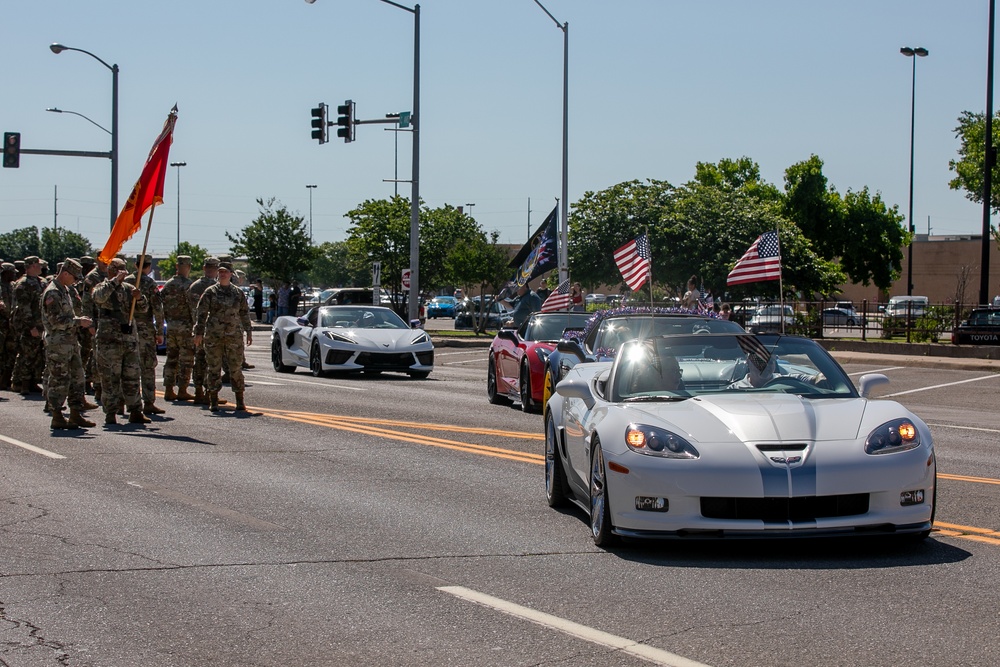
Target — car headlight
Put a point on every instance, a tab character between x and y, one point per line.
419	338
654	441
339	338
898	435
542	354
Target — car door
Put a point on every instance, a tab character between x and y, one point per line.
302	338
509	360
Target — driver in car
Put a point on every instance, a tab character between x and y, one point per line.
756	378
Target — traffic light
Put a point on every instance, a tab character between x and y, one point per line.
320	123
345	121
12	150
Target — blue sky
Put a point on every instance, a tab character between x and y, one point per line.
655	86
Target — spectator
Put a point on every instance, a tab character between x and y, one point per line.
576	297
692	297
283	294
258	300
294	296
525	303
725	311
272	308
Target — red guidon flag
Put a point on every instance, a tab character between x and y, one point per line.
146	193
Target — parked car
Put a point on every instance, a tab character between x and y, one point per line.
347	295
516	367
441	306
670	441
903	306
981	328
840	317
496	314
772	319
591	298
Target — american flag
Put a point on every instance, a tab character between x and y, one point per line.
559	299
762	261
633	261
756	353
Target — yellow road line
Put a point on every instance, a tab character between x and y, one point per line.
965	478
432	427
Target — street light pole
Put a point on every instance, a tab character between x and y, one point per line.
311	188
178	165
912	53
989	161
414	300
59	48
470	209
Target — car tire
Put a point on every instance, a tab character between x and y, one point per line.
524	389
492	393
315	362
276	360
555	477
601	528
850	322
548	388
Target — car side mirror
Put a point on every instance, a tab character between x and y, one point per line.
576	387
869	381
508	334
415	324
567	346
302	322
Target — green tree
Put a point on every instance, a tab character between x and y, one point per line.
814	206
970	165
481	262
335	267
20	243
380	231
276	244
168	266
739	174
441	230
58	244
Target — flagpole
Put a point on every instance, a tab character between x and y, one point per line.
781	288
138	267
650	243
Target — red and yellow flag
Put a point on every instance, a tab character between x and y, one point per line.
147	192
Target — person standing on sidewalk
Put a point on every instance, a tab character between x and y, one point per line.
180	341
221	319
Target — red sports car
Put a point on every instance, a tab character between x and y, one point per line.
517	358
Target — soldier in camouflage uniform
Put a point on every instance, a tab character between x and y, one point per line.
180	341
8	343
26	319
62	348
150	327
221	318
118	344
86	334
94	278
198	287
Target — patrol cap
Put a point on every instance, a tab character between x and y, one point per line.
226	258
28	261
86	261
183	260
228	266
7	266
147	261
19	265
211	261
116	264
74	267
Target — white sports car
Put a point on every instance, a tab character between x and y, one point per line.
717	435
350	338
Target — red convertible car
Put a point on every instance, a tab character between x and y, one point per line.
517	358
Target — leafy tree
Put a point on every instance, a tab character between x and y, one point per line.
970	165
334	266
441	230
276	244
814	206
168	266
740	174
20	243
484	263
380	231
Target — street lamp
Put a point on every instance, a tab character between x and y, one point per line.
59	48
414	300
912	53
311	188
57	110
178	165
564	212
470	209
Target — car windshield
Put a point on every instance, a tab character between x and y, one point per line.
361	318
551	326
615	331
679	367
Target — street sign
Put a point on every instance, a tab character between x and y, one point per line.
377	283
406	279
404	119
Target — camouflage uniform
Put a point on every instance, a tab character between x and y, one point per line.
92	280
86	335
118	348
222	318
149	325
8	344
62	350
198	288
27	316
180	342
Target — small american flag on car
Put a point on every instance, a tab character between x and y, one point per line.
559	299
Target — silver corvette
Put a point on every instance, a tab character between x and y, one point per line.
722	435
365	338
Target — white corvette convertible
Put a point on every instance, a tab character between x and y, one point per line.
722	435
350	338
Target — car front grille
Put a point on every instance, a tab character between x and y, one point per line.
781	510
337	357
425	358
385	359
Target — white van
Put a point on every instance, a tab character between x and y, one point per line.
899	306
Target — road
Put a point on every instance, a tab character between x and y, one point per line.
389	521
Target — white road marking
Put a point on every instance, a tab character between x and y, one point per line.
878	370
939	386
269	384
643	651
966	428
32	448
468	361
318	384
451	354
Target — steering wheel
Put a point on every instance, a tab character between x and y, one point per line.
792	382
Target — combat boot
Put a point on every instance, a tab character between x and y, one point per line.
136	417
169	394
183	395
47	409
240	405
97	393
213	401
150	409
110	419
77	419
248	366
58	421
199	396
15	387
87	405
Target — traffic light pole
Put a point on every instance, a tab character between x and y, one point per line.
37	151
